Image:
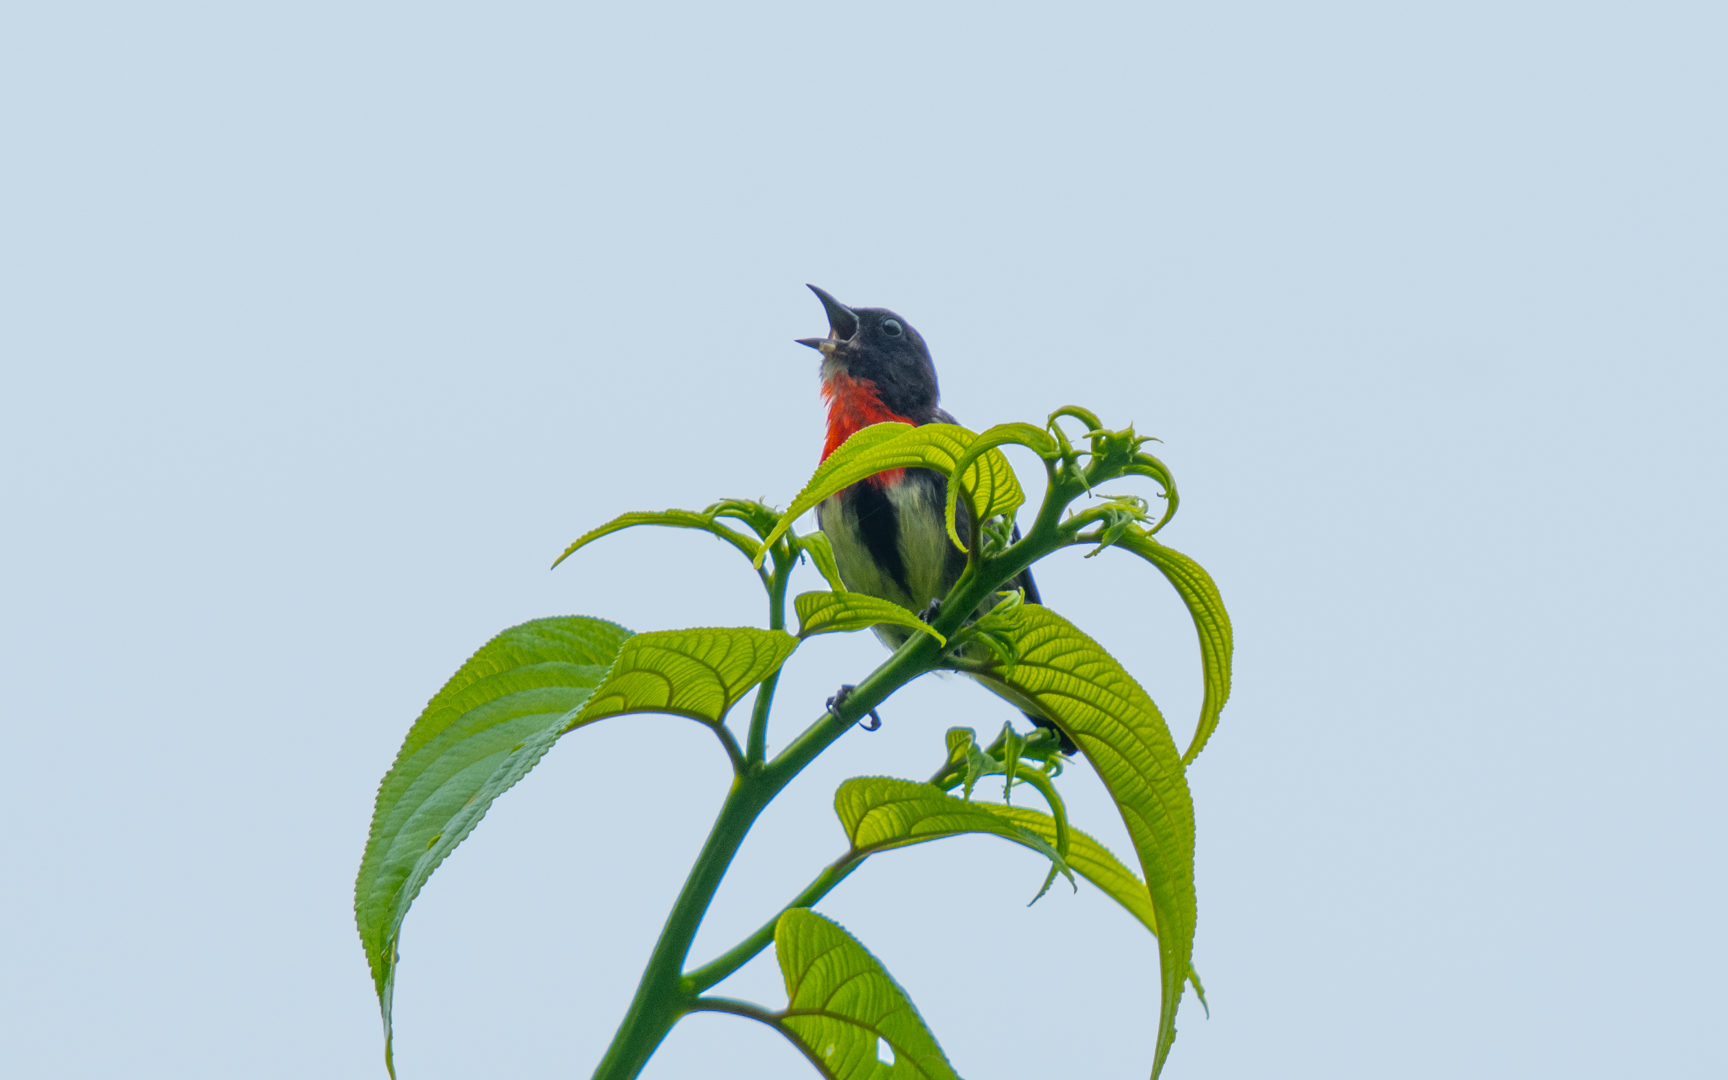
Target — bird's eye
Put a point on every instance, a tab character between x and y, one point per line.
891	327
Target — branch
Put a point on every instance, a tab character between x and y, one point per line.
737	1008
745	951
724	734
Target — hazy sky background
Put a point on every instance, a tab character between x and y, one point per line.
324	328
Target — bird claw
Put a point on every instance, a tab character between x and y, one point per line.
839	699
931	610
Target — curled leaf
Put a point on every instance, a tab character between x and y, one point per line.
1147	465
880	447
983	453
1211	624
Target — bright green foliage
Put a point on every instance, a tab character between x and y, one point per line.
822	554
843	612
840	1002
1069	678
678	519
494	719
700	674
1112	454
982	452
502	711
880	813
1211	622
1097	864
989	481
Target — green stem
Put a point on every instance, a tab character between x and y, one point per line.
745	951
661	995
730	744
756	745
659	1000
752	1011
737	1008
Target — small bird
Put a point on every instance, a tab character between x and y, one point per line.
887	531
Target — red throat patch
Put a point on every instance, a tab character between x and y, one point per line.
853	405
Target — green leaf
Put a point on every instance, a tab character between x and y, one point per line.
992	465
677	519
1090	859
758	515
880	813
963	749
1146	465
489	725
1211	623
822	554
1069	678
989	481
857	452
840	1002
1097	864
843	612
700	674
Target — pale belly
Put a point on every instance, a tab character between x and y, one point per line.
924	563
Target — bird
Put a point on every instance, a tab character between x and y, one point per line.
887	531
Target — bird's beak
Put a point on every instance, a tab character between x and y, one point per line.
842	322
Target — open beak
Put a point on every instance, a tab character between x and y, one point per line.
842	323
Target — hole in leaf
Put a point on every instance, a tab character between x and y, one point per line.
884	1052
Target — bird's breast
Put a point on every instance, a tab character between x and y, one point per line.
853	405
888	538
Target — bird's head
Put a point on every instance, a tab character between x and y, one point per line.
876	345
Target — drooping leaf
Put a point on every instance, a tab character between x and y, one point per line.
989	480
1211	623
1072	680
822	554
758	515
489	725
677	519
700	674
840	1002
880	813
1097	864
843	612
982	451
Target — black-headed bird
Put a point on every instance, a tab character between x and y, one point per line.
887	531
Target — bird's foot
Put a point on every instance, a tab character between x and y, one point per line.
933	609
839	699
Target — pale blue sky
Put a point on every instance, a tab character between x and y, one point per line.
324	327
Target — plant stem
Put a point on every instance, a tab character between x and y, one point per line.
664	993
745	951
660	1000
660	995
756	743
736	1008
